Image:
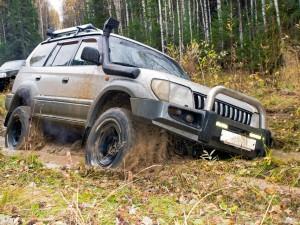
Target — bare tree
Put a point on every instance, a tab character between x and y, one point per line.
219	9
144	16
263	10
209	18
127	13
240	24
190	20
161	26
179	29
197	16
206	27
277	15
166	21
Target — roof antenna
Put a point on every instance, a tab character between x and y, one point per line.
109	25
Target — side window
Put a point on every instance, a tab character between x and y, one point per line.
53	55
41	54
65	54
77	61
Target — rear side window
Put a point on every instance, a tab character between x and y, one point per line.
53	55
65	54
41	54
77	61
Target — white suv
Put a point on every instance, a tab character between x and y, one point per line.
111	85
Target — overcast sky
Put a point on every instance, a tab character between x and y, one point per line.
57	4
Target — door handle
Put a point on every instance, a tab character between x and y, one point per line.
38	78
65	80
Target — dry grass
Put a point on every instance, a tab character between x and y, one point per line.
190	192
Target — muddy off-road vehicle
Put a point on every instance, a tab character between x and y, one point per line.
116	89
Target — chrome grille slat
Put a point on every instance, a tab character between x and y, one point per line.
244	118
221	109
226	110
231	112
236	115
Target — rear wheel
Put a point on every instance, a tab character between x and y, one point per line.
117	139
18	128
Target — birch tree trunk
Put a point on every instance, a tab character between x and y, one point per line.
209	19
206	28
277	15
252	17
182	21
41	20
161	26
197	17
179	29
263	10
190	21
240	23
172	17
127	14
219	9
203	19
166	22
255	11
144	16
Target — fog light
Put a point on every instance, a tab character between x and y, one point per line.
189	118
255	136
178	112
222	125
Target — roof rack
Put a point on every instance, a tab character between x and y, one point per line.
71	31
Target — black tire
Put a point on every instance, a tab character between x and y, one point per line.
119	140
18	128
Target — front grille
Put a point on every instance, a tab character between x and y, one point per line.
224	109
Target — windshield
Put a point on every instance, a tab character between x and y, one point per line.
126	53
13	65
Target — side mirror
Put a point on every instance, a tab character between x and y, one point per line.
91	55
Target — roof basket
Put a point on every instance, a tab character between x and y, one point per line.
70	31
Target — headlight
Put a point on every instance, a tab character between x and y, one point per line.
173	93
2	75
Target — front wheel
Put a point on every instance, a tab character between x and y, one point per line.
117	139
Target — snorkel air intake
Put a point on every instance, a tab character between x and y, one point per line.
108	66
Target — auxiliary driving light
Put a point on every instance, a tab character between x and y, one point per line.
189	118
221	125
255	136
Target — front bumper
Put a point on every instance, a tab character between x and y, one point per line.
203	130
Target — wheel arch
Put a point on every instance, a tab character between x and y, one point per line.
103	100
24	96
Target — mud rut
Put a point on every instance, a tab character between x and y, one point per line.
71	155
54	154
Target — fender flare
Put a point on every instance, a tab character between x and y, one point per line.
24	96
99	100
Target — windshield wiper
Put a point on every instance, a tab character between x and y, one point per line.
124	64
